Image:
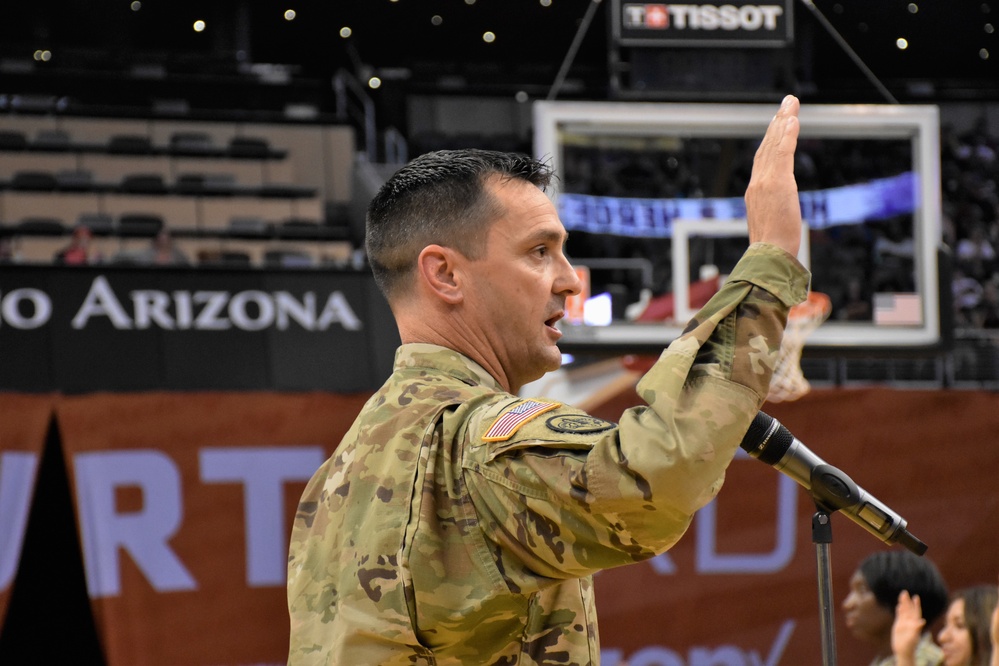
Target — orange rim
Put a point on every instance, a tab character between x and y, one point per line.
817	305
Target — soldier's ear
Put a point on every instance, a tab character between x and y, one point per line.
435	268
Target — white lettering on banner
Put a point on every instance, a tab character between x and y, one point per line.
101	300
17	481
240	314
710	561
10	308
863	203
263	473
250	310
183	309
151	307
724	655
338	310
634	16
144	534
214	302
288	308
701	17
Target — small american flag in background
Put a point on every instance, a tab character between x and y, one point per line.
898	309
508	422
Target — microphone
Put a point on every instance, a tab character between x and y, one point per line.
770	442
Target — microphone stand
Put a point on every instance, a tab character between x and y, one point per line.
831	490
822	537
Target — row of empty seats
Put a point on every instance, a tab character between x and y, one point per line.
187	184
52	159
195	252
116	240
148	225
182	144
201	212
229	193
82	150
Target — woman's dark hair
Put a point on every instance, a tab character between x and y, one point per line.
889	572
438	198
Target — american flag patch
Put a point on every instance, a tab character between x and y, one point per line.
509	421
898	309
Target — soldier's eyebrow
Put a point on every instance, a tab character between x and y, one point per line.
550	236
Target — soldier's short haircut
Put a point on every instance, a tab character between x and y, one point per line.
889	572
439	198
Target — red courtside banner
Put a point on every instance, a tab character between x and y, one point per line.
184	504
24	423
741	587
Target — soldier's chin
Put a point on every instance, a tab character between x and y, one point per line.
555	360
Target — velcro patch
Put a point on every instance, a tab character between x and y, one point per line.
507	423
578	424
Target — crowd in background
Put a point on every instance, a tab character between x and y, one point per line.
969	173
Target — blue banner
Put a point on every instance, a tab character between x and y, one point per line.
653	218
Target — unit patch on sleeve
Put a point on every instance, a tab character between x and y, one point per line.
578	424
510	421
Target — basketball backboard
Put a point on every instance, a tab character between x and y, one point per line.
652	197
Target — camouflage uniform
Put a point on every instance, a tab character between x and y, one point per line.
928	653
460	524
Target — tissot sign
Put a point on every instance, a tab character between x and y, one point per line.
760	23
78	329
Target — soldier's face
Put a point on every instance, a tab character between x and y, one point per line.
521	283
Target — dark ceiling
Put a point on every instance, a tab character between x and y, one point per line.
844	50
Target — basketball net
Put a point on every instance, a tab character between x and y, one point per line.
788	382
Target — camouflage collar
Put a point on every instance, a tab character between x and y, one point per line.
442	359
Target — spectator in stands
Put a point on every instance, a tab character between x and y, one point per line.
162	251
80	250
967	295
8	254
877	586
975	253
966	637
986	314
994	634
857	304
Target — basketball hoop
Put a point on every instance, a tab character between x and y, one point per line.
788	382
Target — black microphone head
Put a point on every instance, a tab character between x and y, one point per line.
766	439
758	433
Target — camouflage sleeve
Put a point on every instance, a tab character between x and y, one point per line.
560	503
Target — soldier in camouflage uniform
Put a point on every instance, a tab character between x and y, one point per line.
458	523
